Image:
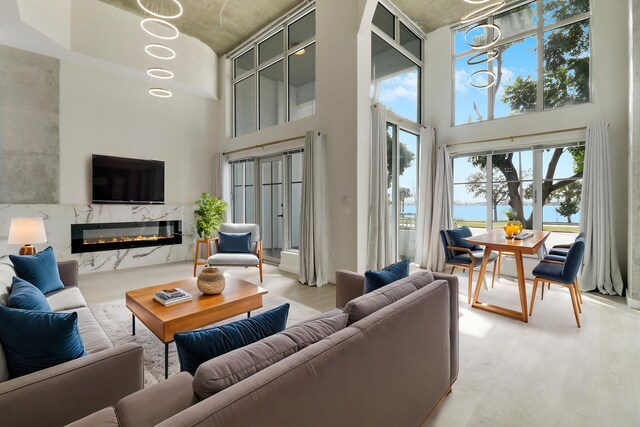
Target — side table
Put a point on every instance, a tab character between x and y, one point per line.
196	261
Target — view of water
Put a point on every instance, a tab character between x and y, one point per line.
479	212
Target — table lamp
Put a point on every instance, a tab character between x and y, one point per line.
27	231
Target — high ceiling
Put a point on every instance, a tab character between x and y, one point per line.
220	24
225	24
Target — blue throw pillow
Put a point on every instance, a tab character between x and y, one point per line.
27	297
34	340
41	270
376	279
196	347
457	236
235	243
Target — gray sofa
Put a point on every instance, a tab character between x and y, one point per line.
58	395
392	364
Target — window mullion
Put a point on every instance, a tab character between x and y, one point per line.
537	187
540	84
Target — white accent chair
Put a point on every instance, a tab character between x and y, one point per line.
253	259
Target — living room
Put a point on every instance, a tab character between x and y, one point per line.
335	138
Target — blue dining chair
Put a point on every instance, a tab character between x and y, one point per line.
559	254
458	253
561	273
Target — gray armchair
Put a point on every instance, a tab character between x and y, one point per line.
253	259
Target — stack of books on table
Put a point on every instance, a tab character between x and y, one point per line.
171	296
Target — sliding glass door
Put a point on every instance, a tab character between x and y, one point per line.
268	191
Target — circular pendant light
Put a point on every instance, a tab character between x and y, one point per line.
491	55
158	15
160	51
160	93
491	79
477	1
483	12
145	23
497	35
160	73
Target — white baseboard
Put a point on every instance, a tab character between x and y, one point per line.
633	303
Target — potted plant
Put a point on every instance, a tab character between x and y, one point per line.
209	214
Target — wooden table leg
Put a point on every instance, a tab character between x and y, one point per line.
483	270
521	286
195	257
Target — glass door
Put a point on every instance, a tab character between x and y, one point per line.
272	207
402	191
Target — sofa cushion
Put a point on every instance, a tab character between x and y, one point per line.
7	273
376	279
103	418
196	347
234	243
306	333
228	369
40	269
66	299
27	297
33	340
93	336
233	259
361	307
154	404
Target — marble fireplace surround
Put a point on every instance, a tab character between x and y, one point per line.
58	220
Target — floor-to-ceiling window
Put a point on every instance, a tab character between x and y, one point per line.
542	186
396	82
274	75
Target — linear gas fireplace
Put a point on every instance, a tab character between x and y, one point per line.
124	235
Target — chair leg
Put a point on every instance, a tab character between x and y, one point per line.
533	295
195	258
260	267
574	301
578	290
453	268
575	289
542	293
493	278
470	285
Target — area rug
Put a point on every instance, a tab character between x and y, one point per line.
115	319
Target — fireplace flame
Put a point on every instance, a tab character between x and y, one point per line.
124	238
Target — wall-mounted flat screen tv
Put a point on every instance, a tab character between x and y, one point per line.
126	181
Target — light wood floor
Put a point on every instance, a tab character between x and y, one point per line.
112	285
544	373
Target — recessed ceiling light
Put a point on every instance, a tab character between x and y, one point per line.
300	52
175	15
160	51
175	33
160	93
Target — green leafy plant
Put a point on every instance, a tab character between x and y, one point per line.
209	214
510	214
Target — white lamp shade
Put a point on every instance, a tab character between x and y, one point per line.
27	231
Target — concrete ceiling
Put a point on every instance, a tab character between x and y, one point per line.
220	24
225	24
433	14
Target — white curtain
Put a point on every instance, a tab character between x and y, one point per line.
314	269
601	269
425	199
442	217
221	177
379	242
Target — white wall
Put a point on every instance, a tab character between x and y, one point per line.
610	95
104	113
342	83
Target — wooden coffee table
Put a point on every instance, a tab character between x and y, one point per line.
239	296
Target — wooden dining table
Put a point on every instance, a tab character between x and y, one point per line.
497	241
